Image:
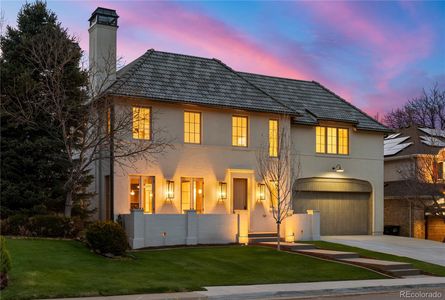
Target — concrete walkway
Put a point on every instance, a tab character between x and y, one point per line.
425	250
267	291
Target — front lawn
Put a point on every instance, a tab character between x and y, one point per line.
54	268
424	266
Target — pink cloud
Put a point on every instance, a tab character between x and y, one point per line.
392	49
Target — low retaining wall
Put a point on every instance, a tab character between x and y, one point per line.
157	230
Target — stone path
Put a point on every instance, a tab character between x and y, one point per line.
397	269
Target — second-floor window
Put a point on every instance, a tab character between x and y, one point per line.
332	140
141	123
273	138
192	127
239	131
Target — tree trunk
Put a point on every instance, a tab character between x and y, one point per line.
278	236
68	203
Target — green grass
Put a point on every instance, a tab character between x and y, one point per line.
424	266
55	268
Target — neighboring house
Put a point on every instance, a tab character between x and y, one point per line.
218	118
414	176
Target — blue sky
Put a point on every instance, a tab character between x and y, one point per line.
376	55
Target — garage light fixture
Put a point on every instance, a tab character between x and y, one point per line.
338	169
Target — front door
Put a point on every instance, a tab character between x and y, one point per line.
239	194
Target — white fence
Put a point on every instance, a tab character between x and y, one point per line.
157	230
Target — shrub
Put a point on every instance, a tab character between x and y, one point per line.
5	261
15	225
51	226
41	226
107	238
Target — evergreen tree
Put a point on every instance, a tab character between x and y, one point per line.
34	164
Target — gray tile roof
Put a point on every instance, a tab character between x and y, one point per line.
318	102
188	79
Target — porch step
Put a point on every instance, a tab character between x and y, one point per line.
262	234
259	237
257	240
330	253
405	272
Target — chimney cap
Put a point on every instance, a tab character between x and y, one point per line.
104	16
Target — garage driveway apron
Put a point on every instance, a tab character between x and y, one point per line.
424	250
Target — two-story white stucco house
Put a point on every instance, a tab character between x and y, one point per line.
206	189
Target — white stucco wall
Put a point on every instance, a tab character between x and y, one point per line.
364	162
213	160
159	230
216	160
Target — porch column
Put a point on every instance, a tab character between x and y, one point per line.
315	223
136	229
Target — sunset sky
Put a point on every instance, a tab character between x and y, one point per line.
374	54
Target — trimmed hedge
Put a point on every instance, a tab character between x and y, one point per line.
107	238
5	263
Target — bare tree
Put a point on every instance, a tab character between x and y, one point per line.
427	110
279	172
91	127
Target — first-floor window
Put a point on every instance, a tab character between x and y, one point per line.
142	193
192	194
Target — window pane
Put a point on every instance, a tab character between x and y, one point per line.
239	131
332	140
273	138
343	141
320	143
185	195
134	192
192	127
141	123
148	194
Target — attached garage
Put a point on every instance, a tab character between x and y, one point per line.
344	204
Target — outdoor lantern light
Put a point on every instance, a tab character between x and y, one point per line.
338	169
170	189
262	191
222	186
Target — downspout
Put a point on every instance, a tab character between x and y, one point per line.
111	162
410	220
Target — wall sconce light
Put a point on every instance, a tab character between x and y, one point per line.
222	191
170	189
261	191
338	169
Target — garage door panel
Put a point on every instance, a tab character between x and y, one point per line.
340	213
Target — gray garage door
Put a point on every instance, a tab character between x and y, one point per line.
341	213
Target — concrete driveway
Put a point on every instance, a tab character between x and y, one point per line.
425	250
